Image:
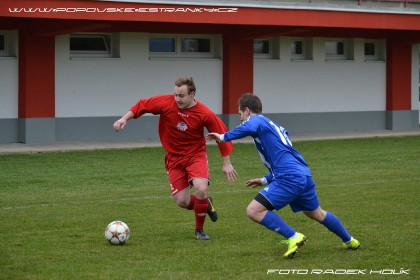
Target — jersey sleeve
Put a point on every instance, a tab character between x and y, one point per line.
247	128
225	148
268	177
153	105
215	124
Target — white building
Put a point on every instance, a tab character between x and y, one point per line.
69	69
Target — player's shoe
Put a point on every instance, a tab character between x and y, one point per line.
211	211
293	245
201	235
353	244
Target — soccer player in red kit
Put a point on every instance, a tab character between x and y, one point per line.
181	131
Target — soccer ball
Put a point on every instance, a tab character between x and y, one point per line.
117	232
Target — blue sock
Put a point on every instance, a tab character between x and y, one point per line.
272	221
332	223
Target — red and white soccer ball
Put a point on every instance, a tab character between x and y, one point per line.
117	232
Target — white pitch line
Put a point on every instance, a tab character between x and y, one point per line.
46	205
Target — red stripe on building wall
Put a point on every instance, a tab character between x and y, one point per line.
398	87
238	71
36	76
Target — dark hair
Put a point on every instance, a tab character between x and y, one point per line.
251	101
188	81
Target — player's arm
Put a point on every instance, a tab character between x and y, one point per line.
215	124
259	181
228	170
148	105
214	136
237	133
121	123
241	131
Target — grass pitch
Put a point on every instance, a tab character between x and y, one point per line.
54	208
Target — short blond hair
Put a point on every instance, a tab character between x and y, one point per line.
188	81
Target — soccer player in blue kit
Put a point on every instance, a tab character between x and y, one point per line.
288	182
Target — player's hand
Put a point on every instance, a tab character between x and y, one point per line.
230	172
120	124
214	136
253	183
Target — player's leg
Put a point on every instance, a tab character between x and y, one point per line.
184	199
260	210
211	211
257	211
330	221
180	190
200	186
198	175
184	172
178	181
333	224
309	200
281	192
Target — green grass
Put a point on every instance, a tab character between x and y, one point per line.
54	208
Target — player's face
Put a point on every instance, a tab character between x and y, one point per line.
182	98
244	114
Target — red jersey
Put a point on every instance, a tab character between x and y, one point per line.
181	131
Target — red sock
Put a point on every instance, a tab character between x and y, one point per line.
200	210
192	202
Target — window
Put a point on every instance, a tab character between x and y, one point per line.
339	50
297	48
98	44
182	46
162	45
191	45
301	49
371	49
8	41
2	43
334	49
262	47
268	48
93	45
374	50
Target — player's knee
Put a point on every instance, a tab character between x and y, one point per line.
252	213
201	189
182	204
318	214
182	201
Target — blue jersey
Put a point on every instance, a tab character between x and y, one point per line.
274	146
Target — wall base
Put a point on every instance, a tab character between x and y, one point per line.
145	129
36	130
399	120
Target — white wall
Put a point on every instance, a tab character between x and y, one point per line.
9	85
287	86
109	87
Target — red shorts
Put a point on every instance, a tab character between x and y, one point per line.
183	169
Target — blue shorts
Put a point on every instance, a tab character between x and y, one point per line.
296	190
